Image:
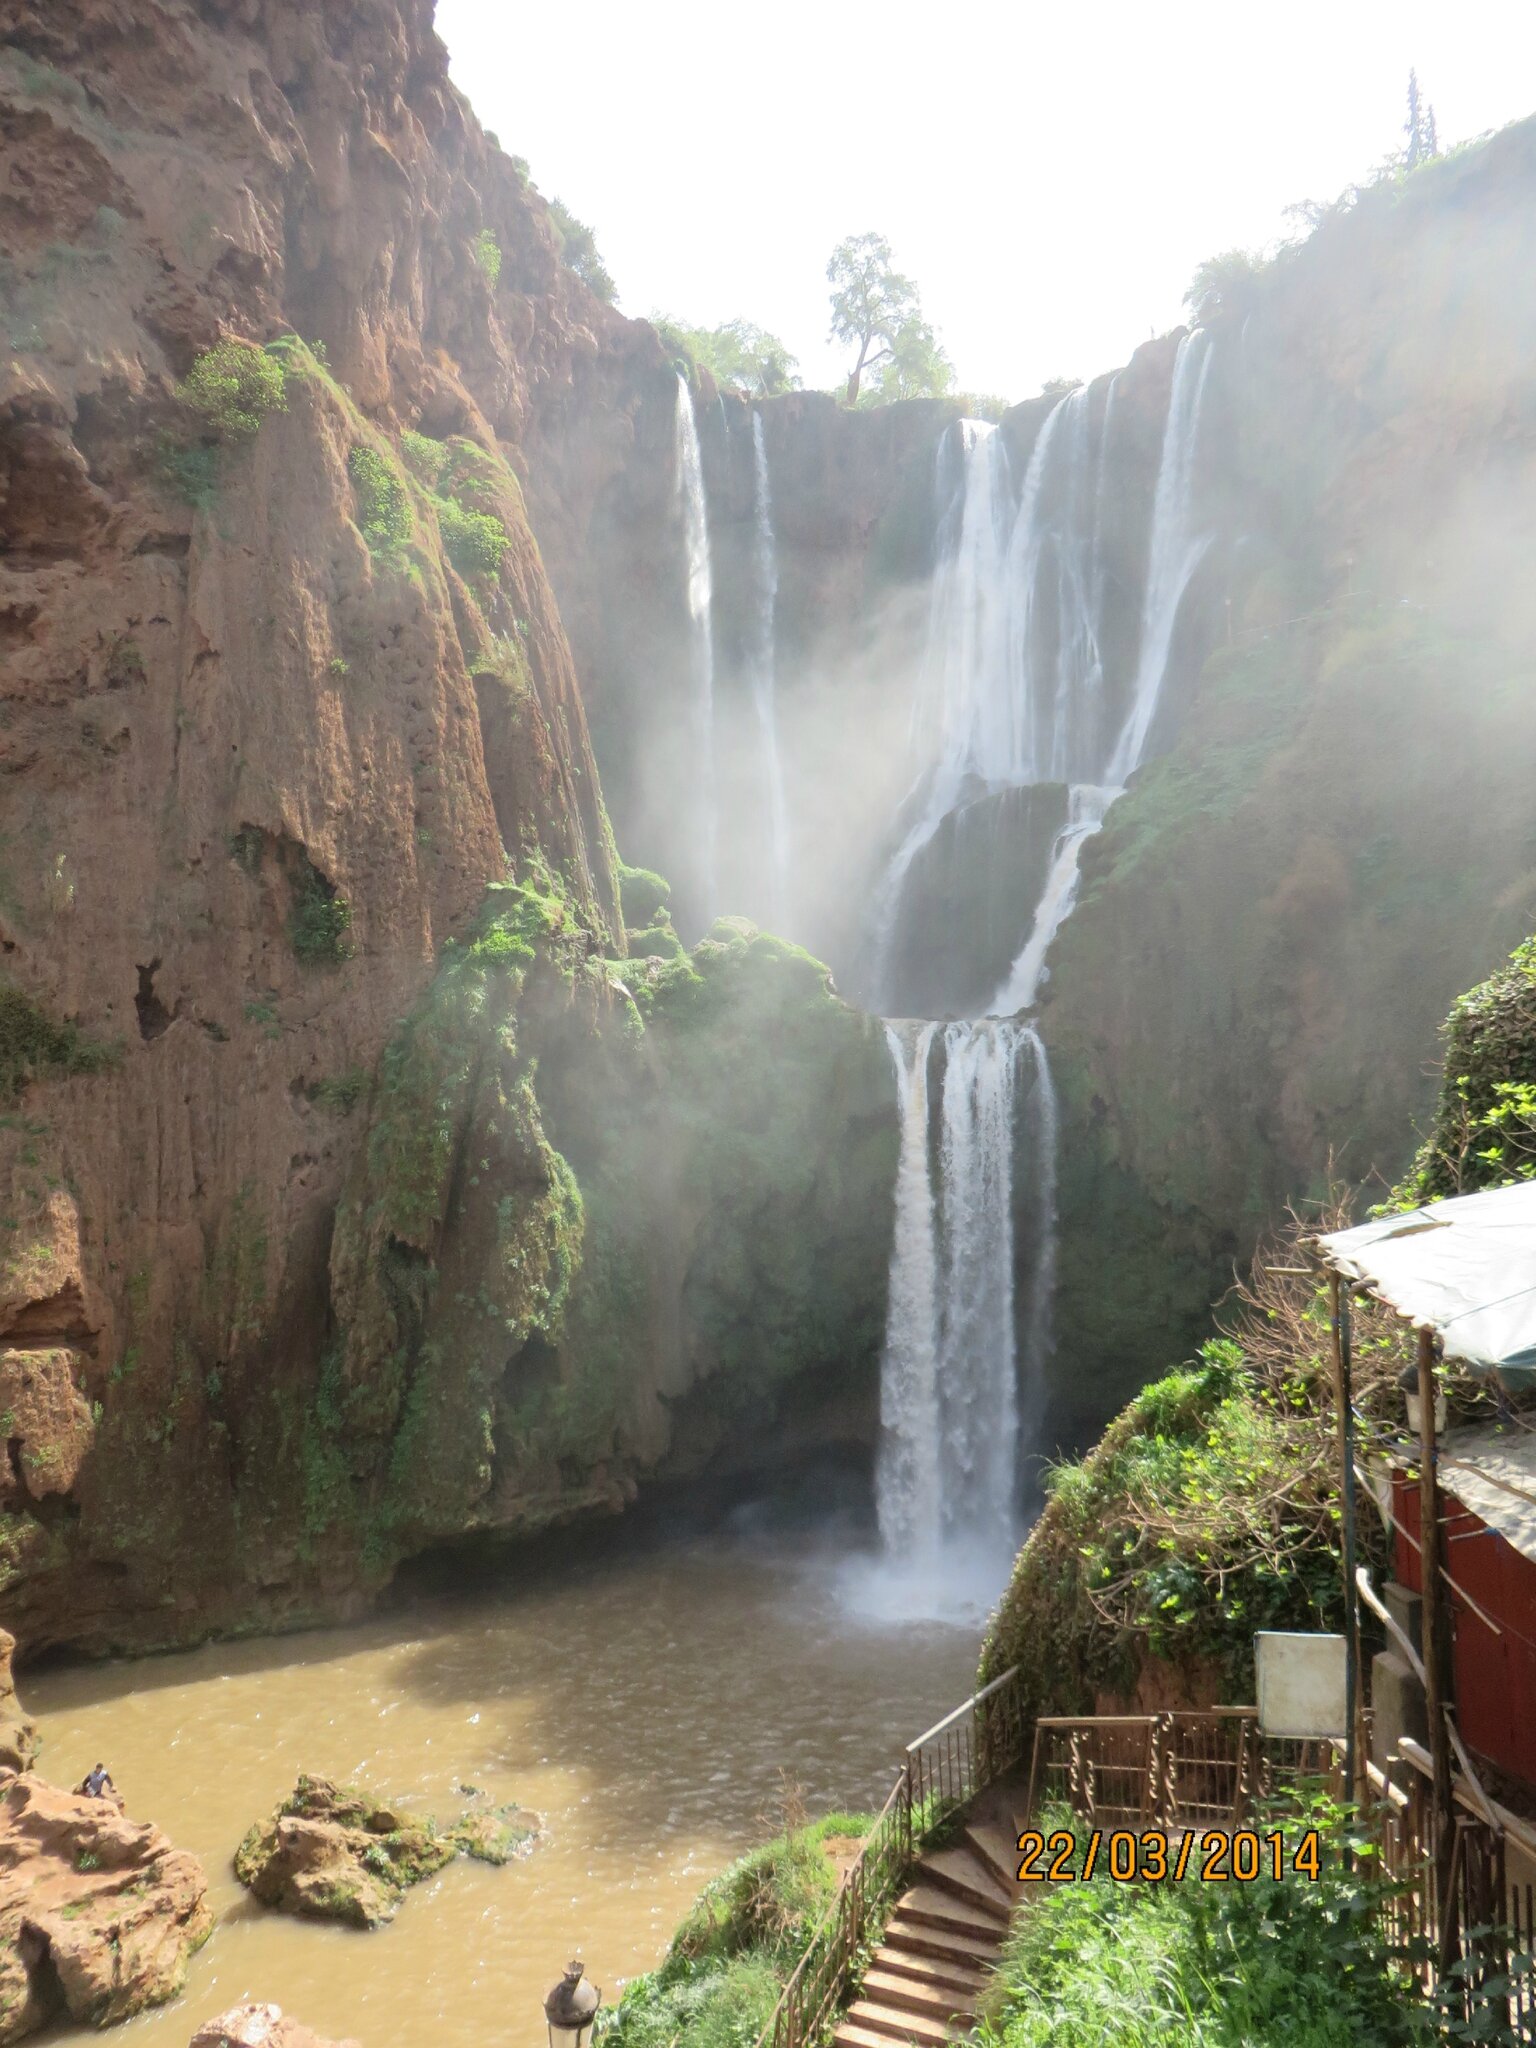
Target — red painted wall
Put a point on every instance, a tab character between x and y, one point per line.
1495	1673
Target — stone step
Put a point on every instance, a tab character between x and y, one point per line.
897	2025
850	2036
945	1941
962	1872
943	1908
934	2001
954	1973
999	1851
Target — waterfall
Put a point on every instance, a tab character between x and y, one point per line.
1013	695
699	596
949	1394
765	576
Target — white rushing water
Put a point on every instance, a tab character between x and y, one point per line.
700	600
1013	696
765	580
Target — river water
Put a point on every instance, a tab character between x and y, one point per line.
643	1695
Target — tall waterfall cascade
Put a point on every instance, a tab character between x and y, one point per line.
1015	695
699	595
765	586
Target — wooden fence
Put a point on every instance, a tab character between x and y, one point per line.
941	1773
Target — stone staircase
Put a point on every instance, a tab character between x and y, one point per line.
940	1943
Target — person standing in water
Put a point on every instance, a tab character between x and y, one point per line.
98	1782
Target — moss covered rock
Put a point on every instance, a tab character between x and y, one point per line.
332	1852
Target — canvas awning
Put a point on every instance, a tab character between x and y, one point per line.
1465	1268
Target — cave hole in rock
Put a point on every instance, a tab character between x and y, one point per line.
154	1017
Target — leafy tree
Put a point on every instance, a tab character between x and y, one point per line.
872	304
234	385
1059	387
916	367
737	353
578	251
1224	285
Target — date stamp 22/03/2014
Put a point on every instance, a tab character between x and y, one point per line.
1215	1857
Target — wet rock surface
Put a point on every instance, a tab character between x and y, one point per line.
98	1912
18	1737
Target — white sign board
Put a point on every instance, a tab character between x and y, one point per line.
1301	1684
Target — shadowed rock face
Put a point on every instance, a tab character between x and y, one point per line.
98	1913
18	1737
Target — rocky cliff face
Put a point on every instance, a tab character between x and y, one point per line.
1338	833
286	693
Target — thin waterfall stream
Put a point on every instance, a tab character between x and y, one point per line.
699	593
1014	697
765	578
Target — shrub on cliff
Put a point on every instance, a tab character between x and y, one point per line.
33	1045
474	541
234	385
383	503
1208	1509
1484	1129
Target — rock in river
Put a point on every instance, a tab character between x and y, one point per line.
98	1913
334	1853
259	2026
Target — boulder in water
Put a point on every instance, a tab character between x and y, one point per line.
98	1913
259	2026
331	1852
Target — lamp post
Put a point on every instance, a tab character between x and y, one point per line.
571	2008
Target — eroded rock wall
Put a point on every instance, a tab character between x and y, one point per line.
286	692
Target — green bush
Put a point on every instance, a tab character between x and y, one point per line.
488	255
189	470
319	924
1288	1963
383	503
1484	1129
32	1044
643	894
424	457
234	385
474	541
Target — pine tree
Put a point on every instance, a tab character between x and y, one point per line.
1413	127
1431	135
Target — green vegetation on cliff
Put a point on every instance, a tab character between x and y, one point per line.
34	1045
721	1977
1484	1128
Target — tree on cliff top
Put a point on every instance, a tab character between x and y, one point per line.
578	251
736	353
877	310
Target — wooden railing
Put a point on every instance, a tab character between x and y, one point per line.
1467	1933
941	1773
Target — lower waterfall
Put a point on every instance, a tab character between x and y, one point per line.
1016	697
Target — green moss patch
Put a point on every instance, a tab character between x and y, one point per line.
34	1045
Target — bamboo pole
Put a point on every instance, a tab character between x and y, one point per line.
1437	1642
1338	1307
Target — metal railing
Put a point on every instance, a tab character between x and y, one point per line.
1168	1770
941	1773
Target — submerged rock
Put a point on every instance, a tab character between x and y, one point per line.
331	1852
98	1913
18	1737
259	2026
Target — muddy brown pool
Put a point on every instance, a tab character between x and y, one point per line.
645	1699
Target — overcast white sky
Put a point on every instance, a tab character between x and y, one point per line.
1048	175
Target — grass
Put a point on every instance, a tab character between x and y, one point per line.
720	1980
1289	1964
